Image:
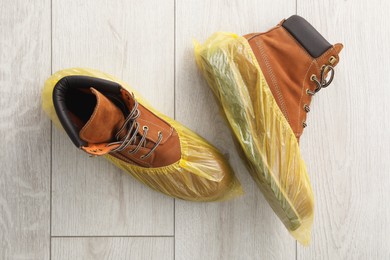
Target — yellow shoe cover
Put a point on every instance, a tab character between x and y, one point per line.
202	174
268	143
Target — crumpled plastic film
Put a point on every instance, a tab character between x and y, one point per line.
202	173
267	140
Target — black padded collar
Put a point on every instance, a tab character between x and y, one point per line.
78	82
310	39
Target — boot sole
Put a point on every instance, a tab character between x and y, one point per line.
267	140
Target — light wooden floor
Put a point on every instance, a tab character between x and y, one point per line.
57	203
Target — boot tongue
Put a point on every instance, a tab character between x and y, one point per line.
104	122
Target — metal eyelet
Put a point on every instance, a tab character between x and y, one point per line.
313	77
306	108
146	128
304	124
309	92
332	60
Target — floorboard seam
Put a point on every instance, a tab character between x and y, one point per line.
140	236
174	114
296	243
51	130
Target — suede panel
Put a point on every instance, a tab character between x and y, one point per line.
104	123
287	67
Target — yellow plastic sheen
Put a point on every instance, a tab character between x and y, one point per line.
202	174
267	140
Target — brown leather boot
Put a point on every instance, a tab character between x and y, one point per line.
265	83
295	60
104	119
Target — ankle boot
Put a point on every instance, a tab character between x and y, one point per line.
295	60
264	83
103	118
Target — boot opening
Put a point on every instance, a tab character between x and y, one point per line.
81	104
75	103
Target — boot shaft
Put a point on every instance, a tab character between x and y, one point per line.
293	57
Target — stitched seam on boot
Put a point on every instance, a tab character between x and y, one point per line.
261	33
123	158
273	78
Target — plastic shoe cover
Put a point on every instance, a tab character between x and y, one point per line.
267	140
202	174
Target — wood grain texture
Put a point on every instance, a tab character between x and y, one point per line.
245	228
115	248
24	130
347	142
132	40
346	145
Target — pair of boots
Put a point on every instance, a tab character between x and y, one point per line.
264	83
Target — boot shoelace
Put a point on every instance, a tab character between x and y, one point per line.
131	137
321	83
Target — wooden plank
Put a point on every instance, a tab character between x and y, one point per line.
24	130
159	248
245	228
347	142
132	40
